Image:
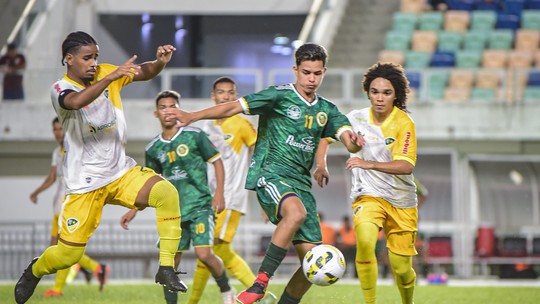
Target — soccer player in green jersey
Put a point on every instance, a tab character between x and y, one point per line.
292	120
181	155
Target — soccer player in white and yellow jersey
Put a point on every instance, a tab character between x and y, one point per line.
235	138
97	170
383	187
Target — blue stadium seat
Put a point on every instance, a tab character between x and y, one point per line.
443	59
486	6
507	21
461	5
415	79
533	79
513	6
532	4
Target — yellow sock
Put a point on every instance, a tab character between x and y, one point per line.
57	257
60	279
235	264
366	261
200	278
164	197
404	275
87	262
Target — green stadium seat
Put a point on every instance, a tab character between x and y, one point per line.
431	21
417	60
404	22
531	94
484	94
475	40
449	41
398	41
436	83
502	39
530	19
483	20
468	58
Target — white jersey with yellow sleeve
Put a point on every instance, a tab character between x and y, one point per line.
232	138
95	135
394	139
57	161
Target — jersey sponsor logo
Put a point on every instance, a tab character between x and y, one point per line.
389	141
322	119
72	224
88	180
107	125
407	143
182	150
177	174
294	112
305	144
252	164
106	93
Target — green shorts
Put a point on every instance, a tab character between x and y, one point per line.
272	192
199	231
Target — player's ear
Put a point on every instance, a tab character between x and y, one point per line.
155	114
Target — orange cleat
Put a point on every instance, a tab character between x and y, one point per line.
52	293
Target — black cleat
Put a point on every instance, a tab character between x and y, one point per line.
166	276
24	289
102	273
87	275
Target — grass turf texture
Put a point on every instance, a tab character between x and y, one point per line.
336	294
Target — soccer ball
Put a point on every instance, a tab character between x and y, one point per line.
323	265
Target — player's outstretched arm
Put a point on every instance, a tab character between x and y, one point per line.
352	141
222	110
151	69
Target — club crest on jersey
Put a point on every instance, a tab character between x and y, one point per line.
72	224
227	137
106	93
182	150
88	180
389	140
322	119
294	112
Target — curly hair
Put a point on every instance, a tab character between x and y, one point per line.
393	73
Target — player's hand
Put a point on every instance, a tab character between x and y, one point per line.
164	53
129	68
126	218
33	197
357	139
182	118
218	202
357	162
322	176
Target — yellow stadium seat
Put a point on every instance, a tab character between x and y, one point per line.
488	78
520	59
424	41
461	78
457	21
412	6
527	40
457	95
393	56
494	58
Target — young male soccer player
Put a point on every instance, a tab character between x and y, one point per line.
292	120
181	155
235	138
56	175
97	170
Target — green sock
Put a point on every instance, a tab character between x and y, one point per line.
170	297
272	259
223	282
287	299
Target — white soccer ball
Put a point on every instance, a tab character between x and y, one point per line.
323	265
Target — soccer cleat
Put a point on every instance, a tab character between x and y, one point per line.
102	273
229	297
26	285
269	298
52	293
87	275
166	276
253	294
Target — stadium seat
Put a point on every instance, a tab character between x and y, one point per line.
530	19
484	94
430	21
443	59
468	58
513	6
440	247
533	79
449	41
461	78
483	20
392	56
424	41
520	59
475	40
507	21
513	246
457	21
462	5
494	58
397	41
532	5
536	56
527	40
437	81
488	78
535	247
404	22
457	95
486	5
412	6
415	79
501	39
531	95
417	60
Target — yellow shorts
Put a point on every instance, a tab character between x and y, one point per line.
54	225
226	224
400	224
81	213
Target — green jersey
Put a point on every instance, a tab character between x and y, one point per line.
183	161
289	131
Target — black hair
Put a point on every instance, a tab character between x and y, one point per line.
393	73
73	43
55	120
223	79
310	52
11	46
167	94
